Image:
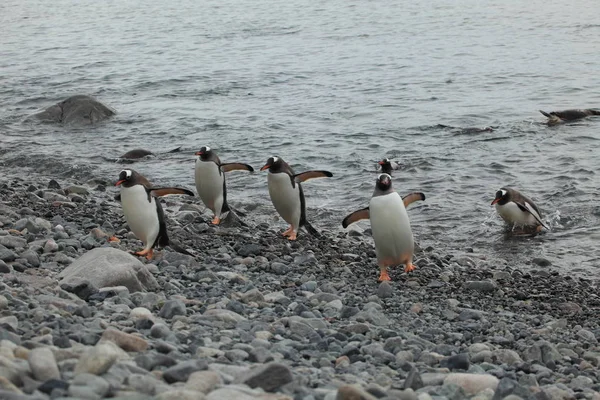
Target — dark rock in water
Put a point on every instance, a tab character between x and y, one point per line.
106	267
269	377
542	262
53	184
78	110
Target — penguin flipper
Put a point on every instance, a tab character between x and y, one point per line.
236	167
356	216
412	197
158	192
545	114
304	176
526	207
175	150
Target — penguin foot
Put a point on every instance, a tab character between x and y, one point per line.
409	267
142	252
383	276
292	236
216	221
113	239
150	255
289	231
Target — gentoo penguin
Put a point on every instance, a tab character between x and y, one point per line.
518	210
557	117
386	166
210	181
136	154
143	211
287	195
394	244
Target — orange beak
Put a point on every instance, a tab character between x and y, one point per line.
266	166
199	153
495	201
380	163
119	182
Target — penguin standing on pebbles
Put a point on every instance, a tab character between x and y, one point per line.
518	210
210	181
286	193
143	212
394	243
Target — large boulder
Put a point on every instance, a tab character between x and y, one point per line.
107	267
76	110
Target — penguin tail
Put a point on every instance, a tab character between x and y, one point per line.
163	240
311	229
175	150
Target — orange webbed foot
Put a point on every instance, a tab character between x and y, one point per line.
142	252
383	276
216	221
292	236
288	231
409	268
113	239
150	255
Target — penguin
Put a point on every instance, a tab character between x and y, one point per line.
143	211
518	210
386	166
394	243
286	193
557	117
137	154
210	181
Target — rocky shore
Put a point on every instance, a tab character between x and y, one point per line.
248	315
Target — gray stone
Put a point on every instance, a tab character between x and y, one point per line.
482	286
413	380
384	290
542	262
472	383
43	364
106	266
507	356
13	242
458	361
227	393
302	329
253	295
228	318
182	371
143	383
269	377
581	382
98	359
203	381
88	386
468	314
172	308
50	246
353	392
32	258
586	336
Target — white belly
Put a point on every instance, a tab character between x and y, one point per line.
511	213
140	214
209	184
391	229
285	198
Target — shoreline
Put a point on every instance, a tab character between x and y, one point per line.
251	314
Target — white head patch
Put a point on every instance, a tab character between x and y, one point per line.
207	148
127	173
503	192
275	159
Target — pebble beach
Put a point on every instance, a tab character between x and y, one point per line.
239	312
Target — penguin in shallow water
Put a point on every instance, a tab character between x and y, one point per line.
518	210
210	181
142	210
394	243
386	166
558	117
286	193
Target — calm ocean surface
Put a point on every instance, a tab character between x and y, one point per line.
330	85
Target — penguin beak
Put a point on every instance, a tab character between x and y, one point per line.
119	182
266	166
495	201
199	153
380	163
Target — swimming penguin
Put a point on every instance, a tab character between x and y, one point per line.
394	243
518	210
386	166
136	154
287	195
557	117
210	181
143	211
